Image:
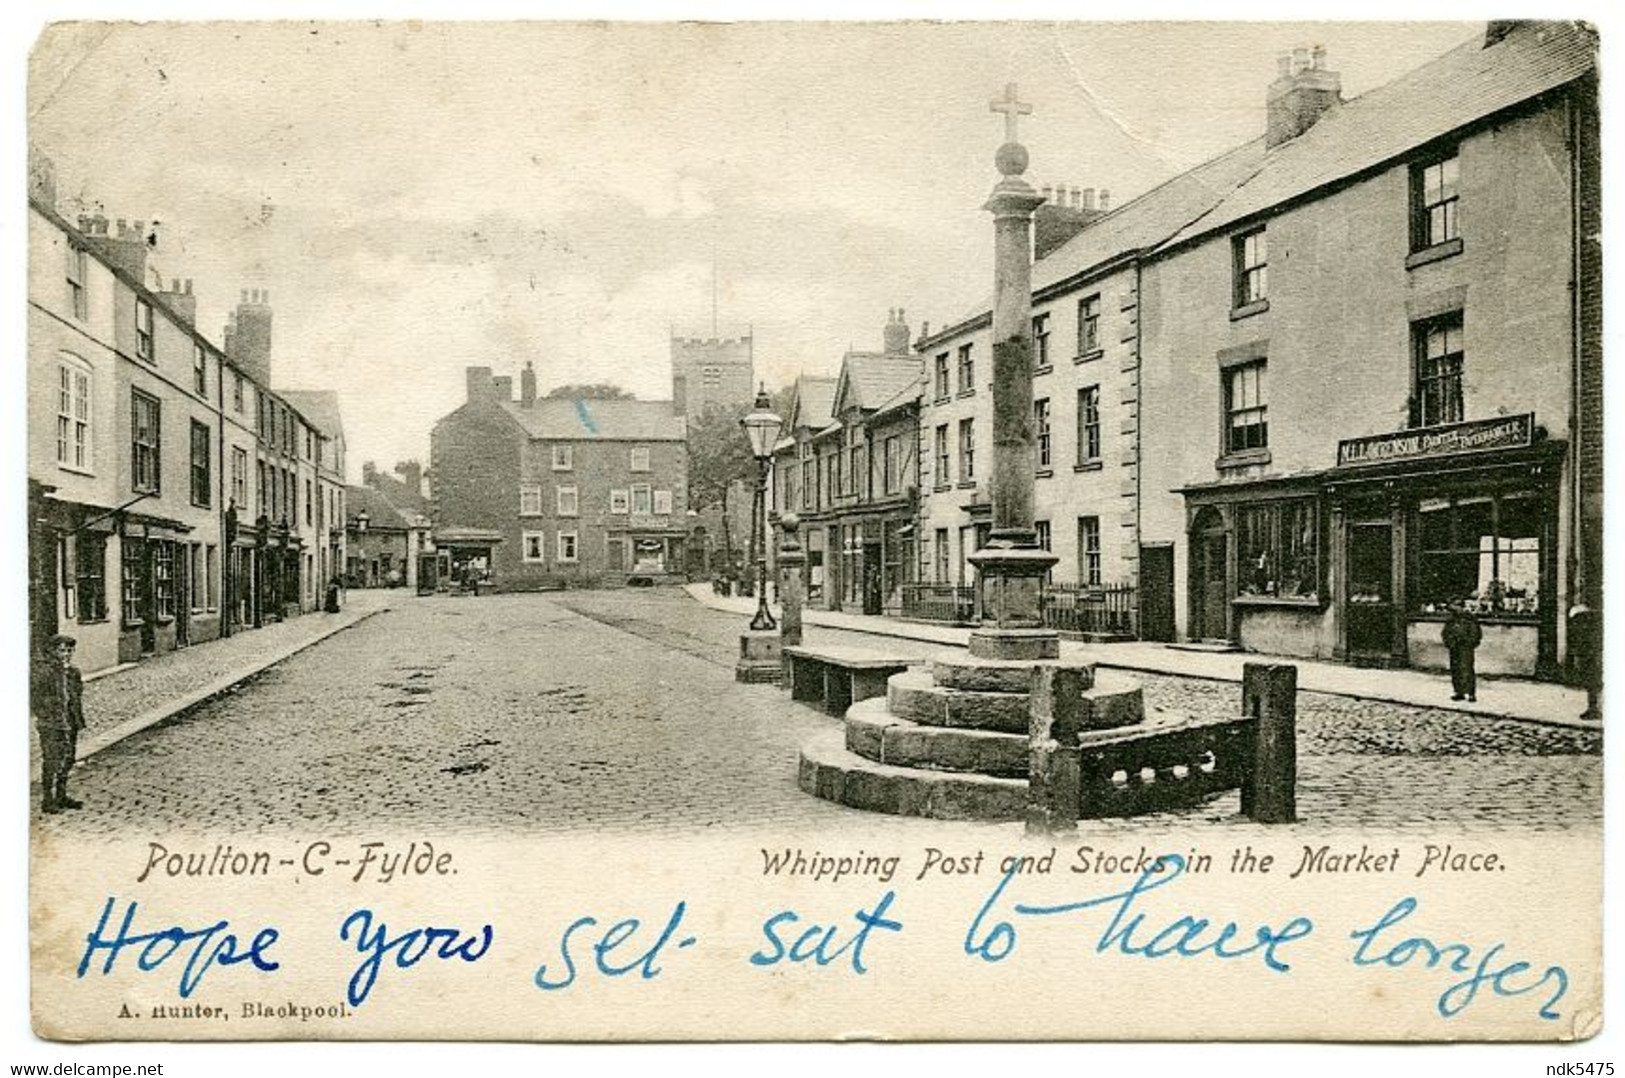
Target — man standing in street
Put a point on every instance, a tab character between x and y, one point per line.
1461	636
57	703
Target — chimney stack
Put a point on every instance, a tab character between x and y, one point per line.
1301	94
527	385
502	387
248	335
479	384
126	250
1056	222
180	299
42	178
411	473
896	335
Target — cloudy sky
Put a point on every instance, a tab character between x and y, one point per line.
422	197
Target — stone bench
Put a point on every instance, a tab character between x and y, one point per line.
836	678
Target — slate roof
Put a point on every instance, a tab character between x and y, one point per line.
1467	84
398	494
320	407
871	379
815	397
570	419
380	513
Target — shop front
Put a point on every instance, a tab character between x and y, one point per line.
1361	562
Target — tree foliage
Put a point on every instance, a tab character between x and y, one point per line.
719	451
593	391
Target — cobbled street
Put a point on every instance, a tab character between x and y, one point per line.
618	710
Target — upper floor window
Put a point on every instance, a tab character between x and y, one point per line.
77	300
942	477
1246	408
619	501
73	416
1088	325
893	462
942	375
143	328
201	481
1040	340
662	503
1041	426
200	370
711	376
1088	424
1433	202
967	450
640	458
237	391
1045	539
967	369
239	476
854	452
1089	560
1252	268
563	458
569	503
530	501
642	499
145	418
1440	359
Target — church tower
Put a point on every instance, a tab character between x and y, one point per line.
712	369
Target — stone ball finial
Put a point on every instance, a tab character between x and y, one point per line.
790	522
1011	159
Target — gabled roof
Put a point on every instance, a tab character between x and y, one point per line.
813	402
380	513
581	419
398	494
320	407
1467	84
870	379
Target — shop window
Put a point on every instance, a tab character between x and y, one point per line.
131	553
1277	550
1440	362
163	579
1482	551
1246	408
90	569
1041	426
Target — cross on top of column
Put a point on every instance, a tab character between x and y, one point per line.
1012	107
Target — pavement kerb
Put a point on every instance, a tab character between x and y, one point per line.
920	633
186	701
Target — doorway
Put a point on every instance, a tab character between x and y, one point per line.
1157	592
1210	591
1371	591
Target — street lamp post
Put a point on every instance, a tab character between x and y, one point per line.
759	646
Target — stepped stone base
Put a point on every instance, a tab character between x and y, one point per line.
957	670
830	771
877	734
914	695
1033	645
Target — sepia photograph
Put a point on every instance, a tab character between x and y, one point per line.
577	531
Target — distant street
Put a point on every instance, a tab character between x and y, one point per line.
618	710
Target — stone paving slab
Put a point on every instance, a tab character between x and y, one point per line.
1507	698
135	696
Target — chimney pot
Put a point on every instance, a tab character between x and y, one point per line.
1300	59
1318	58
244	297
84	222
188	286
1105	200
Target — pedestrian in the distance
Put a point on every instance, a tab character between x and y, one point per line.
332	605
1461	636
57	702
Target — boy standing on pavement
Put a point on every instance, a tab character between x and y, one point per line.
57	702
1461	636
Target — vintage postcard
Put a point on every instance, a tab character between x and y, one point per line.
815	531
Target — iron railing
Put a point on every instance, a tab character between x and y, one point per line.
1107	610
950	603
